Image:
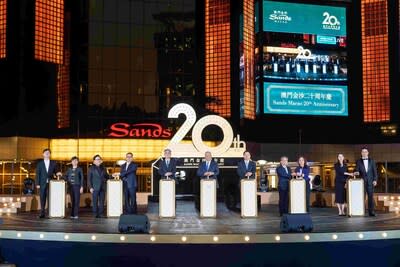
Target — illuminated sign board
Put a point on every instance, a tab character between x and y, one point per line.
305	62
139	130
284	98
302	18
231	146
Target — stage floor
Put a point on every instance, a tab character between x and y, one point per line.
187	221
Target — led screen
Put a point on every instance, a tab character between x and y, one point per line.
304	53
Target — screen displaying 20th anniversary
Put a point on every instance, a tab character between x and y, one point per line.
304	59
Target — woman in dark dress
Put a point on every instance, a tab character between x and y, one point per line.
340	183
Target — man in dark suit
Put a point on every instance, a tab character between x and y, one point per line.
366	168
284	175
246	168
208	168
167	167
46	169
128	175
97	178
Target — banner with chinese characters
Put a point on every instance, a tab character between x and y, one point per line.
305	99
195	161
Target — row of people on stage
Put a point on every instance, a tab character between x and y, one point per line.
207	168
365	168
97	176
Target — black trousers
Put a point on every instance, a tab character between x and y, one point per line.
44	192
369	191
75	198
98	201
283	201
130	199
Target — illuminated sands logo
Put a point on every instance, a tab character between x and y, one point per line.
330	22
139	130
278	16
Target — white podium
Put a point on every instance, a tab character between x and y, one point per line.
57	199
208	198
167	198
248	198
297	188
355	197
114	198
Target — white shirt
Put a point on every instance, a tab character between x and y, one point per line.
285	169
167	162
47	164
246	162
127	165
208	164
365	164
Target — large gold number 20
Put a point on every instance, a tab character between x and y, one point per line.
198	128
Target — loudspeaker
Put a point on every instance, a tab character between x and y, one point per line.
296	223
132	223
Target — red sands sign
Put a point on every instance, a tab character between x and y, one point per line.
139	130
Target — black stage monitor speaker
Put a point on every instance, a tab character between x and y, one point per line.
133	224
296	223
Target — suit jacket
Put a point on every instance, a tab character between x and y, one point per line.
129	175
42	175
212	168
369	175
163	168
306	171
241	169
97	177
283	177
75	180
